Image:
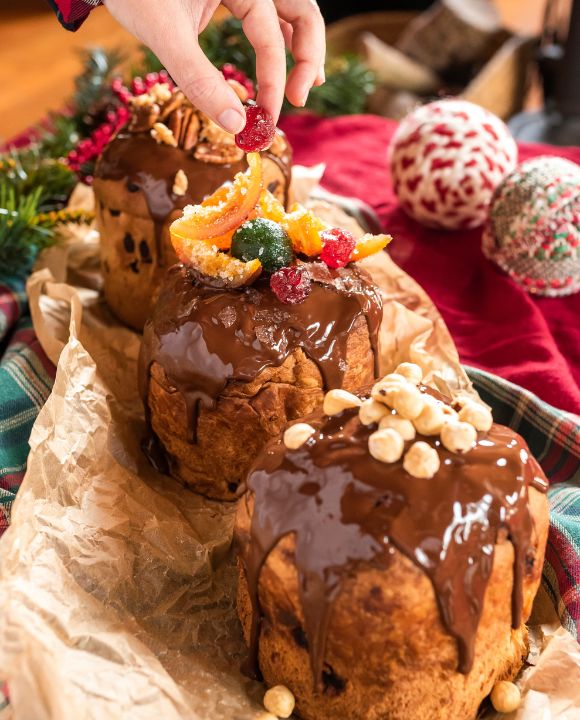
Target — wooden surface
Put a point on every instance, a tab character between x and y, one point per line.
39	59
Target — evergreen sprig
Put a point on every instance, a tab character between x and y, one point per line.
21	234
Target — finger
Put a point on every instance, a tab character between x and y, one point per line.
262	28
308	46
287	32
203	84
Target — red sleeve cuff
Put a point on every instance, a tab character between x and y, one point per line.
72	13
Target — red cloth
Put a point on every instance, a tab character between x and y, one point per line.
72	13
534	342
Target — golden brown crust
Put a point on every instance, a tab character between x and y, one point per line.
388	655
246	415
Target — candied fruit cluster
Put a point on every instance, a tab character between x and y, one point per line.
242	230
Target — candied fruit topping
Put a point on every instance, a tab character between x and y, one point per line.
290	285
258	132
264	240
369	245
337	247
304	228
225	210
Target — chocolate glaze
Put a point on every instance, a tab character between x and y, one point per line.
149	167
204	337
348	511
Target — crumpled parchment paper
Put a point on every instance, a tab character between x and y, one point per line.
117	584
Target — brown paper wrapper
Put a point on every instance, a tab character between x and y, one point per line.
117	584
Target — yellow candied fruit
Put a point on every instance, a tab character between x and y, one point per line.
270	207
208	260
369	245
304	228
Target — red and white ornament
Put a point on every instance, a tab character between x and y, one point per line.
446	160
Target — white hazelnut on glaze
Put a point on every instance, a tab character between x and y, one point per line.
408	401
477	415
279	701
371	412
505	697
335	401
458	437
386	445
431	419
449	414
296	435
403	426
421	460
411	371
384	391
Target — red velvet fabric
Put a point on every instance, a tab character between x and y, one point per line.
534	342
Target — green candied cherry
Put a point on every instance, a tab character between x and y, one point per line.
263	240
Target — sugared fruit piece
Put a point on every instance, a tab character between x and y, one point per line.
304	229
270	207
337	247
207	260
217	216
258	131
264	240
369	245
290	285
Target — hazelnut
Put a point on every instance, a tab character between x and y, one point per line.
296	435
394	378
371	412
335	401
408	401
431	419
384	391
386	445
449	413
421	460
477	415
410	371
458	437
505	697
401	425
279	701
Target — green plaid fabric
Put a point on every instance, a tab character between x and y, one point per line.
554	439
26	377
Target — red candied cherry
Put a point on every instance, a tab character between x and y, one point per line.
258	132
290	285
337	247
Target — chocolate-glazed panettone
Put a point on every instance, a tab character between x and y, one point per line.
170	156
384	576
223	370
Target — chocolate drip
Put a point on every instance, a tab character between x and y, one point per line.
204	337
348	511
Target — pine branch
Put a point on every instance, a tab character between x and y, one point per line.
21	236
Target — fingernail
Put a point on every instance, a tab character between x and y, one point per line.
303	100
321	76
232	121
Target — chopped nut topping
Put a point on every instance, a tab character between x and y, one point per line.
180	183
162	134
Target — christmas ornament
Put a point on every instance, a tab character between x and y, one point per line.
446	160
533	230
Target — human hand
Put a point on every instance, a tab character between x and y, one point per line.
171	30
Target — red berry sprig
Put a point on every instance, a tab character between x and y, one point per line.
258	132
290	285
81	158
337	247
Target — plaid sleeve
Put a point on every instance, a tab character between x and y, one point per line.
72	13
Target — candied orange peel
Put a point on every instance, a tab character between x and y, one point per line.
369	245
226	209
